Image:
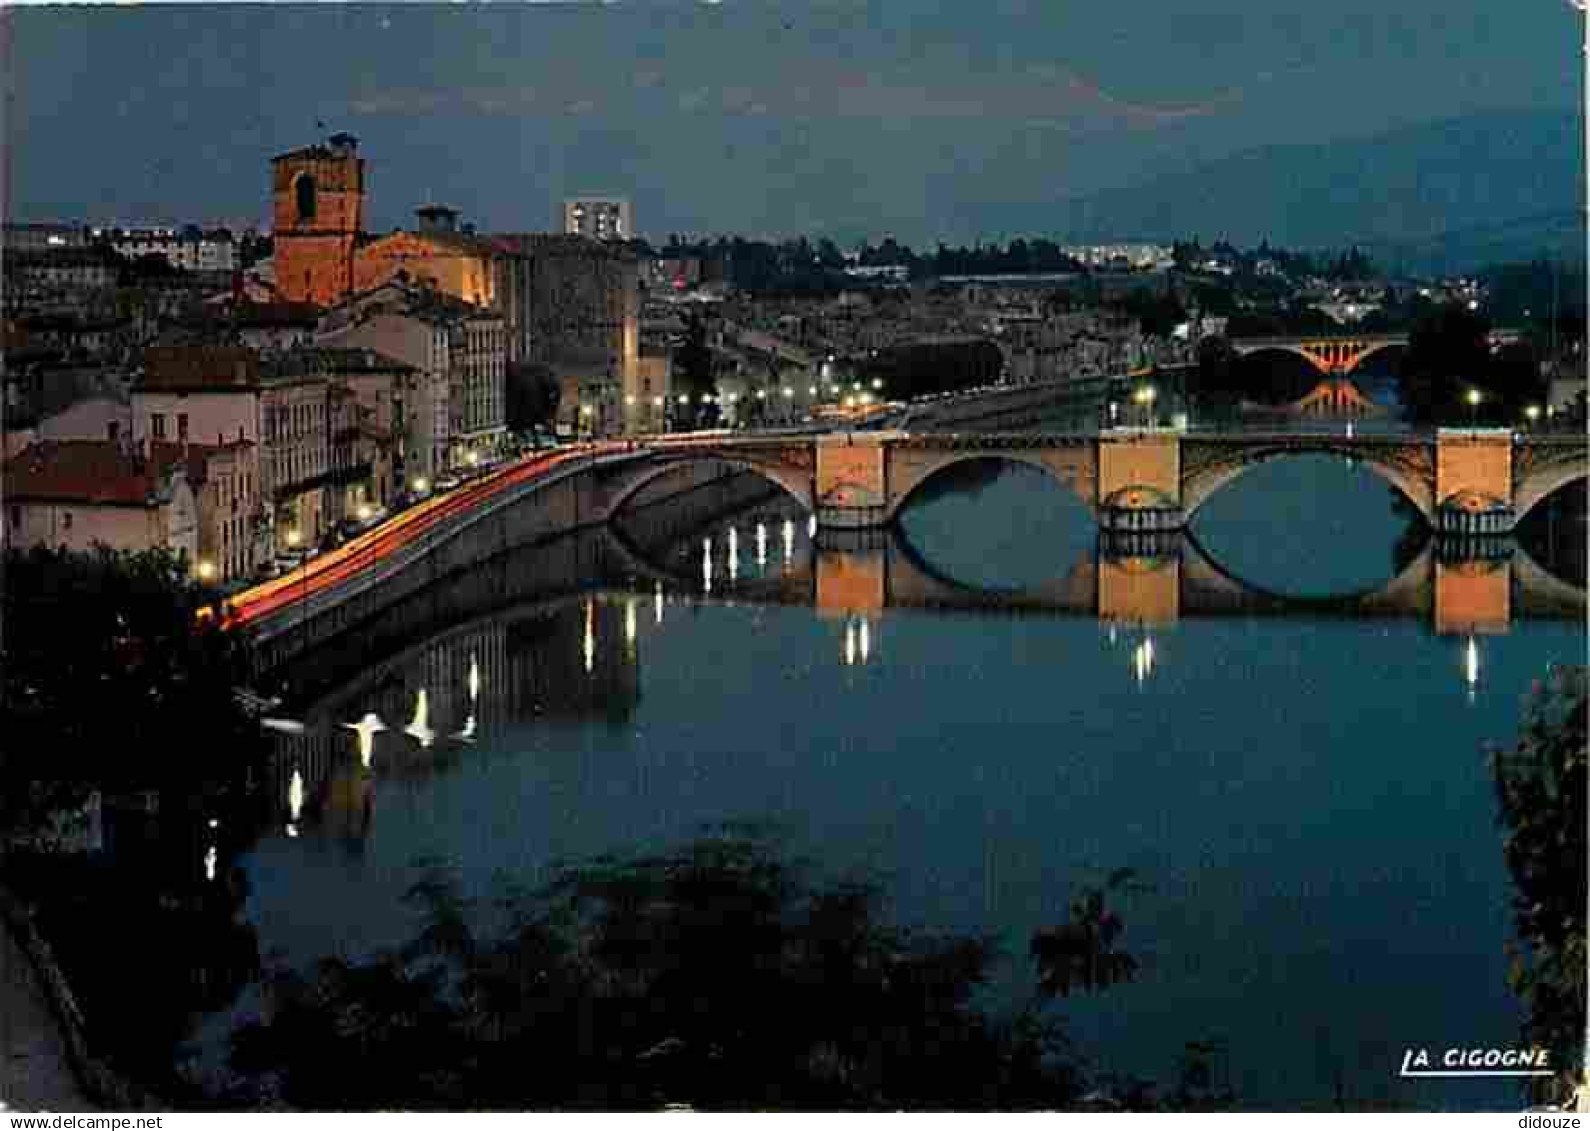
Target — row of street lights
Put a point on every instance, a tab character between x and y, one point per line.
859	395
1532	413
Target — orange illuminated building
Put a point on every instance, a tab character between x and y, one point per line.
317	215
322	254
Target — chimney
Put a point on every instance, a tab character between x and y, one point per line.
437	218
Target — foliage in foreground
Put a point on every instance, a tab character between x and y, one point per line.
718	975
1541	787
110	683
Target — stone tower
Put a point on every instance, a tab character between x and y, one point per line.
317	216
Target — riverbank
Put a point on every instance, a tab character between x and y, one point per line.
35	1068
46	1062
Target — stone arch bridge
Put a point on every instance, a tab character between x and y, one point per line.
1461	481
1336	355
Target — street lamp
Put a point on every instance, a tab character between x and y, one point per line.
293	538
206	571
1145	397
1473	397
1532	413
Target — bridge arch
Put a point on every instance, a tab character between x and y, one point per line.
1314	362
1373	349
1072	470
1213	582
796	482
1404	470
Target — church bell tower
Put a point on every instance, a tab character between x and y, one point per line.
316	218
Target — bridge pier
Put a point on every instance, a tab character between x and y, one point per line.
852	482
1474	482
1474	597
1139	483
1139	579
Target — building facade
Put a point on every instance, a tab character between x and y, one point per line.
75	494
190	249
597	217
478	387
423	329
281	404
583	300
317	210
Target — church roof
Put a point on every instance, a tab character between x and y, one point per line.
453	243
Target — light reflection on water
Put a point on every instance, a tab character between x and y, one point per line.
1303	795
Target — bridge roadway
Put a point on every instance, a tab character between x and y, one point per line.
1461	481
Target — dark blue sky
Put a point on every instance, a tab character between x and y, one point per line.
840	118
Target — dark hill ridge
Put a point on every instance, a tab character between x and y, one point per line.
1489	185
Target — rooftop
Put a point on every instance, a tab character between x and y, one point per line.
329	361
101	472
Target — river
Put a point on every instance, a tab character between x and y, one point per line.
1300	789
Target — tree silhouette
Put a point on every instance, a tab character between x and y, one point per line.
722	974
1541	792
